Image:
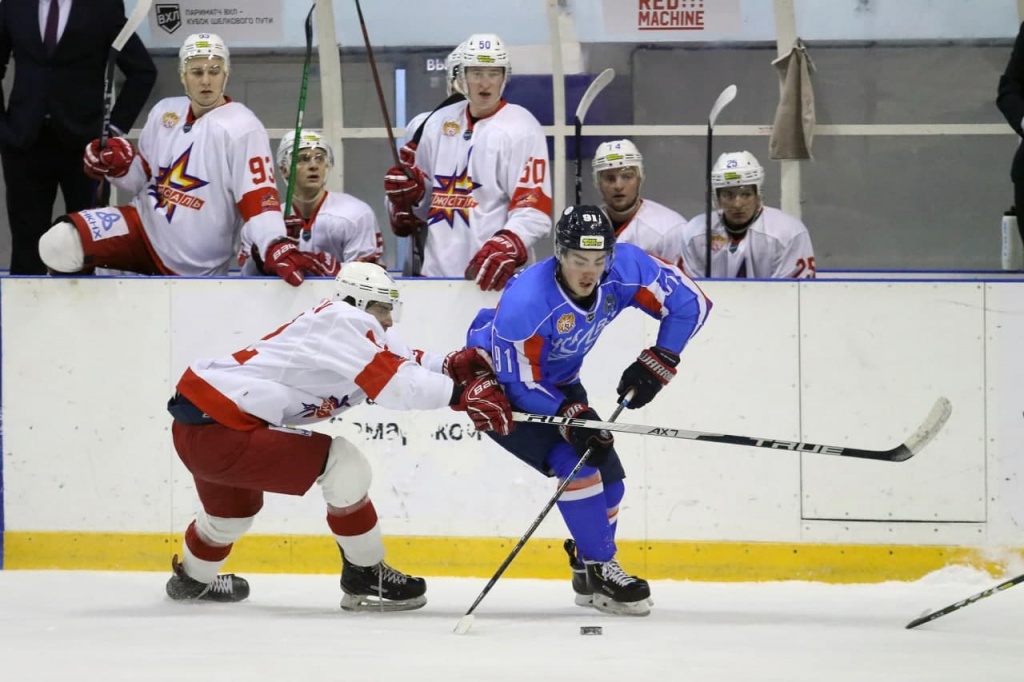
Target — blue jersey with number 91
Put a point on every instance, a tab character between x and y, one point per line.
538	336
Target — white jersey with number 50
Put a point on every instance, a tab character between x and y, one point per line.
488	175
776	246
196	182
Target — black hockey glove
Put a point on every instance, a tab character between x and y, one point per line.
600	442
652	370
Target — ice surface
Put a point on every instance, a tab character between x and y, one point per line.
119	626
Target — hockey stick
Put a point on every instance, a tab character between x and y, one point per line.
466	622
930	616
380	91
928	429
593	90
301	113
726	96
130	25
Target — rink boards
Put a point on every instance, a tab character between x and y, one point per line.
91	480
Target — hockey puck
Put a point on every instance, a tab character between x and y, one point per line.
590	630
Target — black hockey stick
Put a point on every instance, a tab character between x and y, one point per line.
932	615
466	622
380	90
301	113
726	96
130	25
928	429
593	90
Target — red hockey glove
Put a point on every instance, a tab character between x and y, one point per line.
407	154
467	364
485	403
404	192
113	161
647	375
599	442
293	226
321	264
497	260
286	261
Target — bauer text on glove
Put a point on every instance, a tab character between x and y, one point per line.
485	403
599	441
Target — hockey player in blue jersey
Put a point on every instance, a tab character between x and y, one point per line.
547	320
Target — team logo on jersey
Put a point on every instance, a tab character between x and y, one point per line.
451	128
609	304
169	119
172	185
454	197
565	323
718	242
325	409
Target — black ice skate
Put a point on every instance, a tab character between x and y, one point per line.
584	595
615	591
225	588
380	588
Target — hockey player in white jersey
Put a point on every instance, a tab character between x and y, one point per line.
202	170
748	239
235	420
480	185
332	227
618	175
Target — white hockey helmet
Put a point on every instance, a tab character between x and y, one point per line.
308	139
484	49
367	283
735	169
207	45
617	154
452	67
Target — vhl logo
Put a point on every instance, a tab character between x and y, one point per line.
168	17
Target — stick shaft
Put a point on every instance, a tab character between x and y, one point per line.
293	166
540	518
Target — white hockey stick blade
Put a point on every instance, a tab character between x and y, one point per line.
924	434
726	96
464	624
593	90
135	20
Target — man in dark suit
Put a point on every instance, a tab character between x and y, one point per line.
1010	101
60	50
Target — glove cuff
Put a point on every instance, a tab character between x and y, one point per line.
668	357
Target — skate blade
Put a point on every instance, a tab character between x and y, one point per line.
587	600
618	608
356	602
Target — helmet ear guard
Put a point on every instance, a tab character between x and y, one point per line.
366	283
617	154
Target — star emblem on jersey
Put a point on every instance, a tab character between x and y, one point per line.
325	409
172	184
454	197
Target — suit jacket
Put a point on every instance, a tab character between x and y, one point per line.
68	86
1010	100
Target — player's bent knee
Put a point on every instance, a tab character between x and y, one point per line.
60	248
347	475
221	531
